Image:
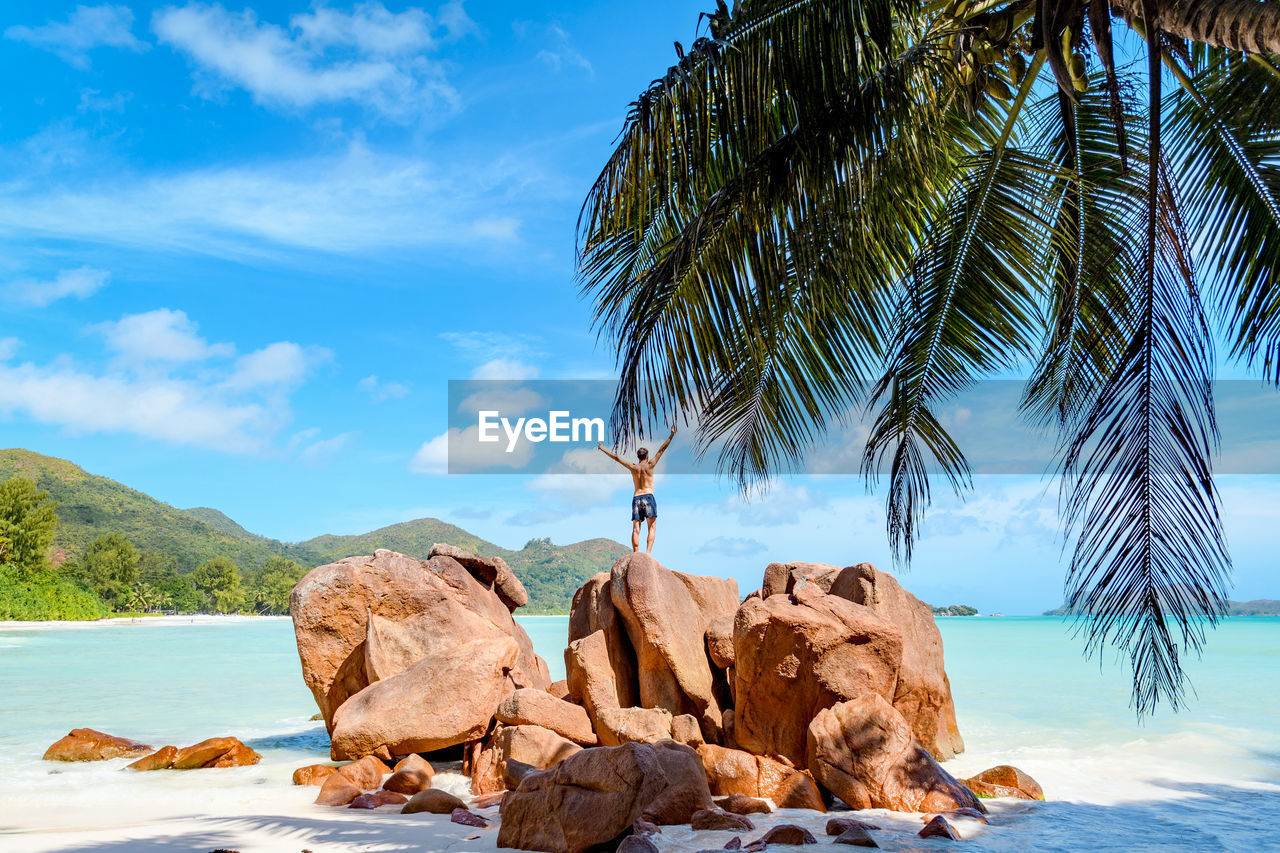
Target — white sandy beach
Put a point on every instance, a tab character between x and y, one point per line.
1203	781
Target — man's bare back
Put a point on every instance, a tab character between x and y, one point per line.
644	506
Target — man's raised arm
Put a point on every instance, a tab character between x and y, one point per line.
663	448
615	457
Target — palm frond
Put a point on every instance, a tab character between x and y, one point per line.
1093	264
969	309
1228	125
1150	564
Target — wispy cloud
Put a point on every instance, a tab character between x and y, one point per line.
322	452
162	335
162	381
731	546
87	27
354	202
80	283
505	368
380	391
560	52
369	55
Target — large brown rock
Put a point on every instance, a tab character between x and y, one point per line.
922	693
798	654
366	774
313	774
378	799
535	746
720	641
666	615
594	797
161	759
239	755
446	698
215	752
617	726
863	751
732	771
533	707
365	619
591	680
1005	780
337	790
432	801
490	570
93	745
592	610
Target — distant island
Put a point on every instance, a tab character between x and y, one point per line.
1257	607
955	610
107	548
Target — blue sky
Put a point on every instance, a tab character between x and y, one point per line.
246	247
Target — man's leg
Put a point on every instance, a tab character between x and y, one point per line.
653	525
635	536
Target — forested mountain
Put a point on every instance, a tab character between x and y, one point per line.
91	506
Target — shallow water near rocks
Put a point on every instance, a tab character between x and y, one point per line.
1205	779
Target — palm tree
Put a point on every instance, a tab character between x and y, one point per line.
874	203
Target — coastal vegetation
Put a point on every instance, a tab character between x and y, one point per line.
77	546
1257	607
955	610
829	208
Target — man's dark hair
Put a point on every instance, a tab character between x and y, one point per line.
642	453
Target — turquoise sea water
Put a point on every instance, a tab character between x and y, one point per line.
1205	779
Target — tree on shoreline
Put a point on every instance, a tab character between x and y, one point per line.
825	207
219	582
28	522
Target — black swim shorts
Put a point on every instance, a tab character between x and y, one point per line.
643	506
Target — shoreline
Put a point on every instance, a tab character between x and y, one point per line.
113	621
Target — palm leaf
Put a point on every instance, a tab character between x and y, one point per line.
1149	567
1228	125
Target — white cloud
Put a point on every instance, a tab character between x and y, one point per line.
357	201
80	283
462	451
432	457
560	51
325	451
511	401
169	409
776	502
380	391
162	335
505	368
9	348
164	381
487	346
731	546
283	363
86	28
583	478
369	56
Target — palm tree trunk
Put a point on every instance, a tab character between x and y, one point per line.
1252	25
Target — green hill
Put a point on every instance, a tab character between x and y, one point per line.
90	506
1257	607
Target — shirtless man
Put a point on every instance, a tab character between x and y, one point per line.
643	504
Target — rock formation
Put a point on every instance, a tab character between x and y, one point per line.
864	752
594	796
825	683
364	620
93	745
